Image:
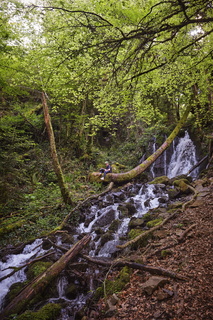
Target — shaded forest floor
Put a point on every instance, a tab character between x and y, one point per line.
191	257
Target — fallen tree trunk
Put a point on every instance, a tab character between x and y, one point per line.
18	304
197	164
127	176
134	265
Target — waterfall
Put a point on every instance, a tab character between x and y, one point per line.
183	158
99	218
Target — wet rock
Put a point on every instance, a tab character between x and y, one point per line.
136	222
147	203
114	225
106	237
109	199
131	208
126	209
119	195
106	219
71	291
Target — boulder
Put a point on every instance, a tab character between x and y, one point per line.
153	283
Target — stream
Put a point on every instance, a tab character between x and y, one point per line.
107	220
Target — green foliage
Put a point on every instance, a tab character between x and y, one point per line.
37	268
114	285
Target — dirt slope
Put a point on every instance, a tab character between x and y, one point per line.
191	257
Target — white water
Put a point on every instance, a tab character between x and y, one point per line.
17	260
183	158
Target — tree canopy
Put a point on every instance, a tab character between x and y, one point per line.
108	68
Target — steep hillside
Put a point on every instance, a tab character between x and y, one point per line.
184	245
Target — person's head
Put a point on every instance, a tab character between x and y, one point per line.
106	163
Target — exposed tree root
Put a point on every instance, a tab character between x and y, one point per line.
192	200
146	233
181	239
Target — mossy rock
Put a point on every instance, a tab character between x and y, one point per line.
132	234
173	193
114	225
160	180
182	184
136	222
106	237
114	286
37	268
154	223
141	242
50	311
15	288
11	227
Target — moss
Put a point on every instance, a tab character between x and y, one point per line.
134	233
154	223
14	290
10	227
50	311
160	180
141	242
114	286
114	225
182	184
37	268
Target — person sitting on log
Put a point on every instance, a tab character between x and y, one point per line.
108	169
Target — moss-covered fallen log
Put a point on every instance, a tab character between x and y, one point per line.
128	176
18	304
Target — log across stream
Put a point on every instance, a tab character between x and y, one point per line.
103	226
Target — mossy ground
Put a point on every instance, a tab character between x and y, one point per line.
50	311
113	285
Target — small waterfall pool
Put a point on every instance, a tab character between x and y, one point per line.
98	221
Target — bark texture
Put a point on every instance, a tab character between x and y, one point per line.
57	168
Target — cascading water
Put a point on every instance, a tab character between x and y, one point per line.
17	260
183	158
99	221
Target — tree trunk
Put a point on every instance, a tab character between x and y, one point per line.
57	168
127	176
18	304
